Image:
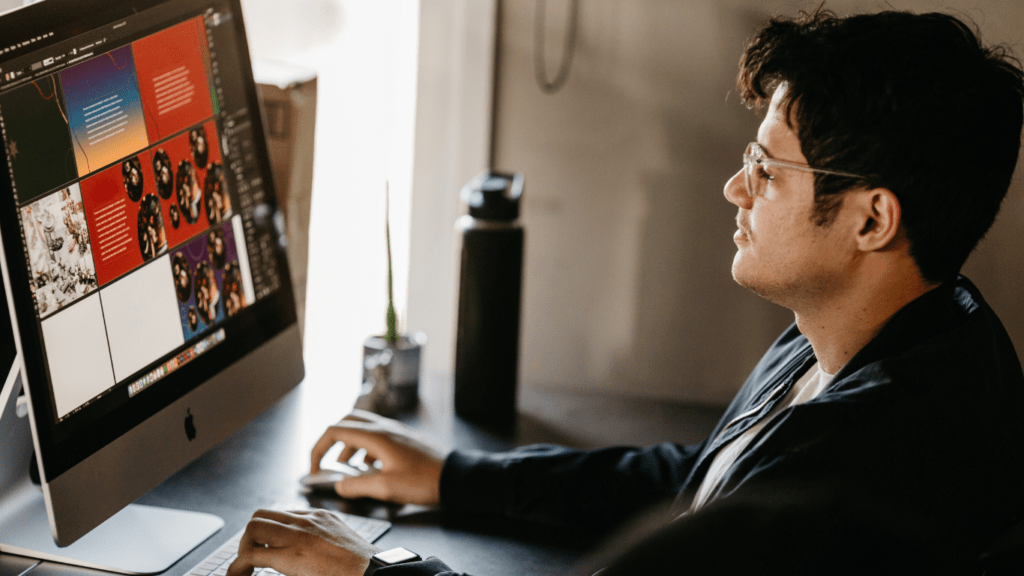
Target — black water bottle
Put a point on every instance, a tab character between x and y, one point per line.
490	293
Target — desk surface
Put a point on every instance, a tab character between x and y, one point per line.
260	466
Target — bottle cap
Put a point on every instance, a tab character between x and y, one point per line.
494	196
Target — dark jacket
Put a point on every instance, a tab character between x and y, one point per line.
911	461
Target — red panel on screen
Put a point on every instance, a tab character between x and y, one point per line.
172	78
195	162
112	200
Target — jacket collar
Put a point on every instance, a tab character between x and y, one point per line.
932	312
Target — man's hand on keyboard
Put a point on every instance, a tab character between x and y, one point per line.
300	543
410	468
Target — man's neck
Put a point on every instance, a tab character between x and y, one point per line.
838	328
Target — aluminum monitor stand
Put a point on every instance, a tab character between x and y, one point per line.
137	540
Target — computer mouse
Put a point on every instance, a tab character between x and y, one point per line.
326	478
323	480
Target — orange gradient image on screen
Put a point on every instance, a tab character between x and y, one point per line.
104	109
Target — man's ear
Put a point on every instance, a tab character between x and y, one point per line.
878	216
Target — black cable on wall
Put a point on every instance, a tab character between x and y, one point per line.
539	68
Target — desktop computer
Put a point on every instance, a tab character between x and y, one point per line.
149	310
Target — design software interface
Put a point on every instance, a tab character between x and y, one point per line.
139	200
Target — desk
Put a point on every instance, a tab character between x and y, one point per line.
260	466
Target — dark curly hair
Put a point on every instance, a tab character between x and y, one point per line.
914	102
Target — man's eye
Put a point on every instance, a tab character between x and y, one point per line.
763	174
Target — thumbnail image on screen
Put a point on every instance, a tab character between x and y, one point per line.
59	251
38	142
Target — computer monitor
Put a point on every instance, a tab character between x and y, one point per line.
144	268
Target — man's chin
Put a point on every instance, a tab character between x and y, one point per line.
740	270
744	281
749	279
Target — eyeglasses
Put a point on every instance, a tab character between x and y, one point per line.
755	159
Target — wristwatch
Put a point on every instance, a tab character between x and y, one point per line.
390	558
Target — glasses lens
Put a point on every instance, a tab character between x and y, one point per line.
749	161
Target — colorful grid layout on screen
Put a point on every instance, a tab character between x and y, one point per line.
132	233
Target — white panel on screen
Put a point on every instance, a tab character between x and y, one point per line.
77	354
142	317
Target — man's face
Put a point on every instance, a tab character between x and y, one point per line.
782	255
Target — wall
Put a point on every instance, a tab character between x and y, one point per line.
405	94
6	5
453	121
366	57
629	240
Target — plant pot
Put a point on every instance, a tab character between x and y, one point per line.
391	373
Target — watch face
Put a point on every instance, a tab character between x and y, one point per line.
395	556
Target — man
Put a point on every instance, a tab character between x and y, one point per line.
881	433
200	150
218	201
164	175
151	231
215	248
131	173
207	294
190	195
182	277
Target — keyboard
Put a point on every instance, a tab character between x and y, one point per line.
216	564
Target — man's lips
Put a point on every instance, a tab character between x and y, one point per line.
741	233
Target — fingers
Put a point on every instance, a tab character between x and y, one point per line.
301	543
370	486
240	567
330	437
347	453
353	434
252	557
279	516
263	533
319	450
273	514
357	419
325	443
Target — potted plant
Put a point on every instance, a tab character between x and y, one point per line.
391	361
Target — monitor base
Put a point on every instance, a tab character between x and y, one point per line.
137	540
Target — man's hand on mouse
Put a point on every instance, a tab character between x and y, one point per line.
410	468
304	542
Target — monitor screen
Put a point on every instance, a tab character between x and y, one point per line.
142	243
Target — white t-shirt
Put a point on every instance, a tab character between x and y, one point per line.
812	383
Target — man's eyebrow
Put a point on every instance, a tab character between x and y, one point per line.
767	153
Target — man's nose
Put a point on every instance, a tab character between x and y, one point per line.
736	191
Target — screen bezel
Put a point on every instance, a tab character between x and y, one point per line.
64	444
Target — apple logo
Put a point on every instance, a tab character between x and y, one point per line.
190	425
